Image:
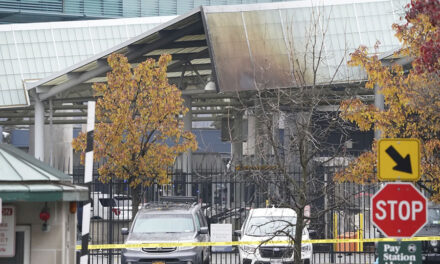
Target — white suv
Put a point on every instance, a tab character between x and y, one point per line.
119	206
273	224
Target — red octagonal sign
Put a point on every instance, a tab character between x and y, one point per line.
399	210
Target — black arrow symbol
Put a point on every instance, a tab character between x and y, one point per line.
403	164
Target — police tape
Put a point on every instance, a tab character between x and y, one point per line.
241	243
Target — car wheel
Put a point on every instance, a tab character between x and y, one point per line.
202	259
306	261
207	259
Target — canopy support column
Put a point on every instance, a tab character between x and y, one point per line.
38	128
187	156
237	139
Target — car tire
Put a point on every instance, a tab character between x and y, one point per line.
205	261
202	259
306	261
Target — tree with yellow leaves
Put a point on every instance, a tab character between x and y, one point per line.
412	99
138	134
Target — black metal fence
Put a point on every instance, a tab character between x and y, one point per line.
227	198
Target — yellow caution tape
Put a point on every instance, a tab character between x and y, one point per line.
239	243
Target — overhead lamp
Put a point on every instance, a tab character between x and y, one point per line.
210	86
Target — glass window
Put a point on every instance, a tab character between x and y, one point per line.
202	219
123	201
270	226
198	222
164	223
107	202
434	216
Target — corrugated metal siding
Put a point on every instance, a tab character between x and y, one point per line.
149	8
118	8
72	7
167	7
46	6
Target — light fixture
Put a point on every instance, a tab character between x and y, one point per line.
44	216
73	207
210	86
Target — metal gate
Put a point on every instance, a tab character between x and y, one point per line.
226	198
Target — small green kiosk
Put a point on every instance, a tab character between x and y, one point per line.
38	223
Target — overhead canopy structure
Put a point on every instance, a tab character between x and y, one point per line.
31	51
240	49
183	38
24	178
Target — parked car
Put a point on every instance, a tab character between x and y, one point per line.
96	206
167	221
271	224
431	249
118	207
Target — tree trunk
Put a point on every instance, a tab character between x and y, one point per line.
298	236
135	201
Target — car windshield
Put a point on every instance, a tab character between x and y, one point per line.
434	216
164	223
270	226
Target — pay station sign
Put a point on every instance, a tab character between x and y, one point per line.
398	159
400	252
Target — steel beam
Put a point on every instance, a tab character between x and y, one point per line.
84	121
134	53
179	44
84	113
204	54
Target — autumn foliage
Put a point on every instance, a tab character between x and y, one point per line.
412	98
138	134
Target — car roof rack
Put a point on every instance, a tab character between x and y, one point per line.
179	199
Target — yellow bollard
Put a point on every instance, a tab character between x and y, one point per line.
335	230
361	232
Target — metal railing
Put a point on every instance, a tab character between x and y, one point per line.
227	198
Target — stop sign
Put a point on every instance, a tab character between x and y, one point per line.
399	210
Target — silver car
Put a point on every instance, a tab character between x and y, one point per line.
167	223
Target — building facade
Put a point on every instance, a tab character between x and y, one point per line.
28	11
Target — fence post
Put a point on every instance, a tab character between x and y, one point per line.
335	230
88	177
110	225
361	232
335	235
